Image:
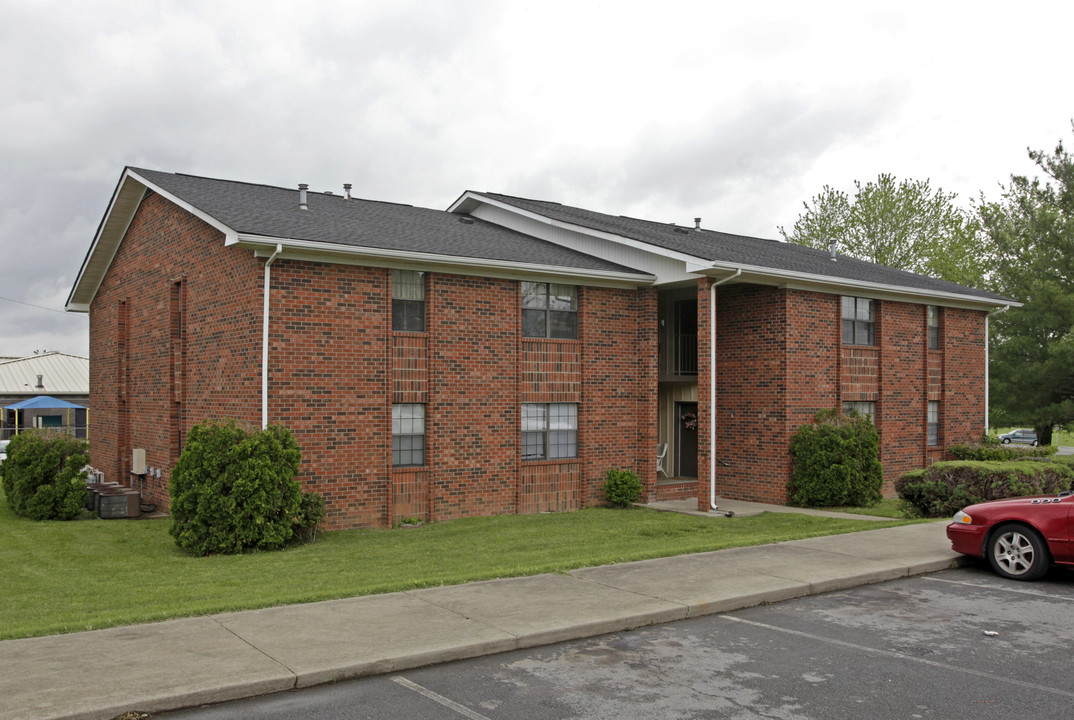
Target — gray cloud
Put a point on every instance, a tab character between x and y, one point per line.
733	114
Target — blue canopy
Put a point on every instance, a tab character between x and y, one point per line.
43	401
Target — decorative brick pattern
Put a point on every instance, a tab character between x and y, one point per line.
410	370
860	377
550	486
410	494
551	371
935	374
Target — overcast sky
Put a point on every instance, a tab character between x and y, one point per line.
734	112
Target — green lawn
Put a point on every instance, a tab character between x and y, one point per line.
58	577
888	507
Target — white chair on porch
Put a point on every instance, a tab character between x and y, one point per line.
661	453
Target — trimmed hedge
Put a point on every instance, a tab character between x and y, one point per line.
836	462
947	487
233	489
43	475
1000	453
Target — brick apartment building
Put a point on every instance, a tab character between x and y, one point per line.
499	356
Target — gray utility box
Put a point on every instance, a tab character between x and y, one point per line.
119	504
95	492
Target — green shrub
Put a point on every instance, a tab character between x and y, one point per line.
43	477
309	517
836	462
621	487
997	452
946	487
234	490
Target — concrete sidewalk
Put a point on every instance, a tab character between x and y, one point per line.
180	663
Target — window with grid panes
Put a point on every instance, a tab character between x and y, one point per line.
934	422
934	327
866	409
408	434
549	310
408	301
859	321
549	431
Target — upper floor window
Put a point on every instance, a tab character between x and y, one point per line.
859	321
549	310
934	327
408	300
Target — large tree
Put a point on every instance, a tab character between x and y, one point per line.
905	225
1032	233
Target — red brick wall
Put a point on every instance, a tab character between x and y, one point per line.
617	417
902	339
133	307
330	382
962	410
751	408
780	359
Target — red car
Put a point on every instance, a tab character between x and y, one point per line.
1021	537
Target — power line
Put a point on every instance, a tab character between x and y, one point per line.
39	307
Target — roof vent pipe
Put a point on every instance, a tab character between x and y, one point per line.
347	190
697	223
831	250
40	381
302	187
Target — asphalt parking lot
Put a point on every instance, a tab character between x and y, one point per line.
955	643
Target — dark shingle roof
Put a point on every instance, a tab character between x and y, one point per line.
738	250
273	212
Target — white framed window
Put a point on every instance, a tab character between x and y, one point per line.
934	422
867	409
408	301
934	327
859	321
549	431
408	434
549	310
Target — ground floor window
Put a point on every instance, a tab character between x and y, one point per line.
866	409
408	434
549	431
934	423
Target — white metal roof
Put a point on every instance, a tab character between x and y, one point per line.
61	374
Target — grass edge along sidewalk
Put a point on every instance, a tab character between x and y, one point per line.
58	577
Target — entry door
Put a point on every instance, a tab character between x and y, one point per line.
686	439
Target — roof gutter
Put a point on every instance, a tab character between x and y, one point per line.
712	389
265	337
364	255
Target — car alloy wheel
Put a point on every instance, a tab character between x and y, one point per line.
1018	552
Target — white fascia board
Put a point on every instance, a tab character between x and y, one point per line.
120	193
381	257
830	284
230	236
465	205
129	191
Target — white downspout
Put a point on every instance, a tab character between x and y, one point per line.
712	388
987	374
265	337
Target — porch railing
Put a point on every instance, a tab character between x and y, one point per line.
678	354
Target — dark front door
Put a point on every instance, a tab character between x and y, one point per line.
686	439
